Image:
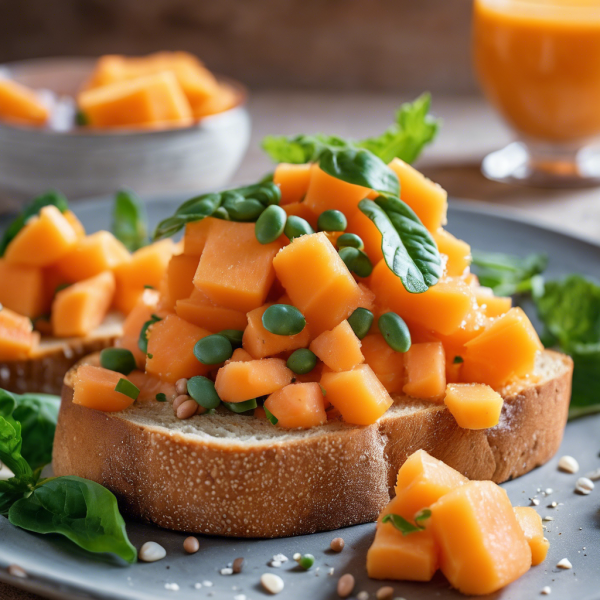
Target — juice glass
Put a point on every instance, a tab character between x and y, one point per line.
538	62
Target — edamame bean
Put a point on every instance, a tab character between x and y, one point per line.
241	407
302	361
360	321
213	349
283	319
332	220
395	331
246	209
270	224
202	390
296	227
235	336
221	213
351	240
356	261
120	360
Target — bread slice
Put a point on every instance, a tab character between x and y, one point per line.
234	475
44	372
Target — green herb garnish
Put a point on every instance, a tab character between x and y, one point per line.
160	397
124	386
270	416
401	524
143	339
130	222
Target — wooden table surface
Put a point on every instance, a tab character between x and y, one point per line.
470	130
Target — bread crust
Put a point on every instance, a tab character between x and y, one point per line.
298	486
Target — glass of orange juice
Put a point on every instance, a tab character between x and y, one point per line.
538	62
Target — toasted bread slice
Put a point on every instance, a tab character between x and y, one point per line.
235	475
44	372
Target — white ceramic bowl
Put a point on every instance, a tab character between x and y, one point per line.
81	163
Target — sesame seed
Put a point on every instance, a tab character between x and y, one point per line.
564	563
534	501
568	464
272	583
362	595
282	558
331	571
173	587
546	590
584	486
151	552
226	571
548	491
198	586
547	518
207	583
240	597
594	475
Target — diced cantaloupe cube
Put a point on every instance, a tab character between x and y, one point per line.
261	343
339	348
506	349
457	251
364	228
425	366
195	236
492	306
75	223
358	394
94	387
224	98
531	524
44	239
235	269
180	274
240	355
474	405
426	198
482	547
17	338
200	310
21	104
22	289
147	265
298	405
243	380
78	309
387	364
299	209
293	181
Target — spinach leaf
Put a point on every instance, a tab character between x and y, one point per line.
51	197
408	248
130	222
401	524
81	510
10	448
585	396
300	149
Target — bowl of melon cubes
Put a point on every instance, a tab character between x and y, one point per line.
161	122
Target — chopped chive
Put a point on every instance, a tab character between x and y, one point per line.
160	397
149	287
143	339
241	407
150	355
323	390
124	386
120	360
270	416
458	360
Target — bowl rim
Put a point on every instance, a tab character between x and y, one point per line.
240	89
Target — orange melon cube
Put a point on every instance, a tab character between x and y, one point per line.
358	394
506	349
492	306
293	181
195	236
152	100
235	269
22	289
147	265
20	104
326	293
171	344
240	355
386	363
224	98
327	193
150	386
442	308
46	238
297	406
474	405
457	252
126	298
531	524
180	274
94	387
80	308
339	348
261	343
426	198
299	209
364	228
92	254
75	223
401	557
17	338
243	380
482	547
200	310
425	366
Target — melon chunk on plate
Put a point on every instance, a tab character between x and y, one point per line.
473	405
531	524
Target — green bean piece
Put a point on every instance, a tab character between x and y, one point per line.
296	227
234	336
306	561
283	319
302	361
360	321
332	220
120	360
203	391
395	331
350	239
356	261
213	349
241	407
270	224
124	386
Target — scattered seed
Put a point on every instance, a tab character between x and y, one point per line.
564	563
240	597
594	475
238	564
552	505
297	556
331	571
173	587
337	544
345	585
179	401
385	593
181	386
207	583
546	590
548	491
274	563
534	501
191	544
362	595
198	586
547	518
584	486
151	552
226	571
282	558
568	464
17	571
272	583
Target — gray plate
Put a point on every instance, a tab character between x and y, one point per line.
58	569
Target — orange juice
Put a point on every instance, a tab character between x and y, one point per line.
539	63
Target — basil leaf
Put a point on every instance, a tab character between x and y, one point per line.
130	222
81	510
10	448
300	149
401	524
11	490
408	248
51	197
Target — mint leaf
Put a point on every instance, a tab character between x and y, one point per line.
130	222
401	524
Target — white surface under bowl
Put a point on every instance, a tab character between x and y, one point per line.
83	163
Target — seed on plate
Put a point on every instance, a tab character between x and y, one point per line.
179	401
226	571
584	486
385	593
181	386
345	585
272	583
173	587
337	544
534	501
564	563
238	564
593	475
548	491
191	544
151	552
282	558
546	590
362	595
568	464
187	409
331	571
17	571
547	518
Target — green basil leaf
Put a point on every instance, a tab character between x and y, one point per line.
10	448
300	149
401	524
130	222
408	248
51	197
81	510
11	490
